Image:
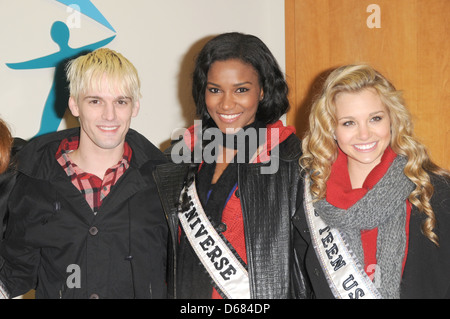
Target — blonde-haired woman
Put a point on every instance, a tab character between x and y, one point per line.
376	211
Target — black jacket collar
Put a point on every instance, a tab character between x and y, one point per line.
36	159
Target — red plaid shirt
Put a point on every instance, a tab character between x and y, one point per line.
91	186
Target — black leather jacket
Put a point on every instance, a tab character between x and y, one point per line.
7	181
268	203
51	227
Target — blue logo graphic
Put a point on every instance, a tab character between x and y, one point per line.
56	103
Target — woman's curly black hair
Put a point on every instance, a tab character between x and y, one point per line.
251	50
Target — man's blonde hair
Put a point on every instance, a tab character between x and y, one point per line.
87	72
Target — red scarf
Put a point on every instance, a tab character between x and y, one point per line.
340	194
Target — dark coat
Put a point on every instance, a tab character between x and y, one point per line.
7	180
268	203
426	273
54	241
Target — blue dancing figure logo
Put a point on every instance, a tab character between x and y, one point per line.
56	103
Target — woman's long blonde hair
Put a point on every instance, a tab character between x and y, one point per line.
320	149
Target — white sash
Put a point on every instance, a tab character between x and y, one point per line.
344	273
225	269
3	292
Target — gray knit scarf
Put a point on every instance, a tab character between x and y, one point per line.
384	206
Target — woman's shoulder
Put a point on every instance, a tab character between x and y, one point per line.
440	200
291	148
441	183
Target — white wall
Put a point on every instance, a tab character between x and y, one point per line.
161	38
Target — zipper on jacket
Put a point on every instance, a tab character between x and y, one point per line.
171	220
246	231
150	290
62	291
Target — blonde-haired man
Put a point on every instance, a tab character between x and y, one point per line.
85	216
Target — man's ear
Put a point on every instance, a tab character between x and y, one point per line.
136	107
73	106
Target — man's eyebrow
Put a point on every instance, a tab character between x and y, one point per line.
124	97
121	97
92	97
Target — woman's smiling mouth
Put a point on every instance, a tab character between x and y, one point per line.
365	147
229	117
